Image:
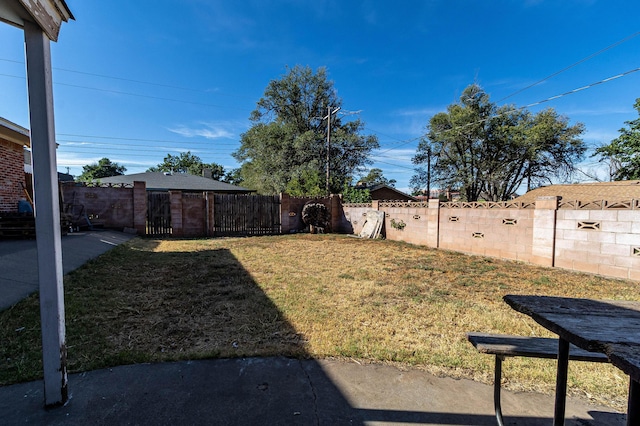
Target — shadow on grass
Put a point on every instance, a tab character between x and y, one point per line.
161	311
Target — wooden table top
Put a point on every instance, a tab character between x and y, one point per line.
608	326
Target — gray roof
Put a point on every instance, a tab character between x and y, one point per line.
159	181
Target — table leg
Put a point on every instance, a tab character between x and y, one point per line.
633	409
561	382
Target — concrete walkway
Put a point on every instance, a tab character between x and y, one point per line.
19	260
281	391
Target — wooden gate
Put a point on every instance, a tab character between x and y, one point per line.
158	214
244	215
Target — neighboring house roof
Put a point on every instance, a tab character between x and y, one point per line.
386	192
158	181
597	191
13	132
65	177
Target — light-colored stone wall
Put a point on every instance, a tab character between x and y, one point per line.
354	218
604	242
599	239
409	224
504	233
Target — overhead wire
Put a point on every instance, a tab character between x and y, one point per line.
611	46
139	95
149	83
570	92
593	55
402	142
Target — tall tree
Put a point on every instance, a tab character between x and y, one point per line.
376	177
288	137
489	152
623	153
103	168
186	162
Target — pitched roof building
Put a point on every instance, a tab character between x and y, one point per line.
159	181
586	192
385	192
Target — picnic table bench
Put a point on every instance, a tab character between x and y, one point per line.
502	346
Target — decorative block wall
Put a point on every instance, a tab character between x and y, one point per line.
594	237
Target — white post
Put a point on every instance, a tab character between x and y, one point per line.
47	212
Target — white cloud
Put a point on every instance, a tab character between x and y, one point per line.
599	111
205	130
420	112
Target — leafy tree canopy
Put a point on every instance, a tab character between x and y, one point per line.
186	162
375	177
623	153
355	195
285	148
102	169
488	152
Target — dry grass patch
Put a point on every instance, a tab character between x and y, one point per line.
306	296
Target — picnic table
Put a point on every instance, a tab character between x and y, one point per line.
606	326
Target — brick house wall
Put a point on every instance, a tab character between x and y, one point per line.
11	175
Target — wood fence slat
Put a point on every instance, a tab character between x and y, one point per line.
158	214
245	215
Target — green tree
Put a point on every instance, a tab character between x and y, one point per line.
355	195
287	139
623	153
186	162
233	177
376	177
103	168
489	152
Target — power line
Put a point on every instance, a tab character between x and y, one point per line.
149	83
571	66
606	80
119	92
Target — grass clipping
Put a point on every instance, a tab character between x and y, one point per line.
305	296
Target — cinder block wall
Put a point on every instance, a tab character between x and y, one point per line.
11	176
353	217
408	223
605	242
504	233
598	239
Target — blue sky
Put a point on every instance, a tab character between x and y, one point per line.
135	80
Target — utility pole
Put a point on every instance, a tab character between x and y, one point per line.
328	117
428	172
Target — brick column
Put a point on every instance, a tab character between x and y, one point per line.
336	212
544	231
375	204
140	207
433	224
209	212
176	213
285	206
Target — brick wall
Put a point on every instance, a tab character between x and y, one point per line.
11	175
291	211
111	206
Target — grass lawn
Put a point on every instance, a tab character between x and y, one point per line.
306	296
